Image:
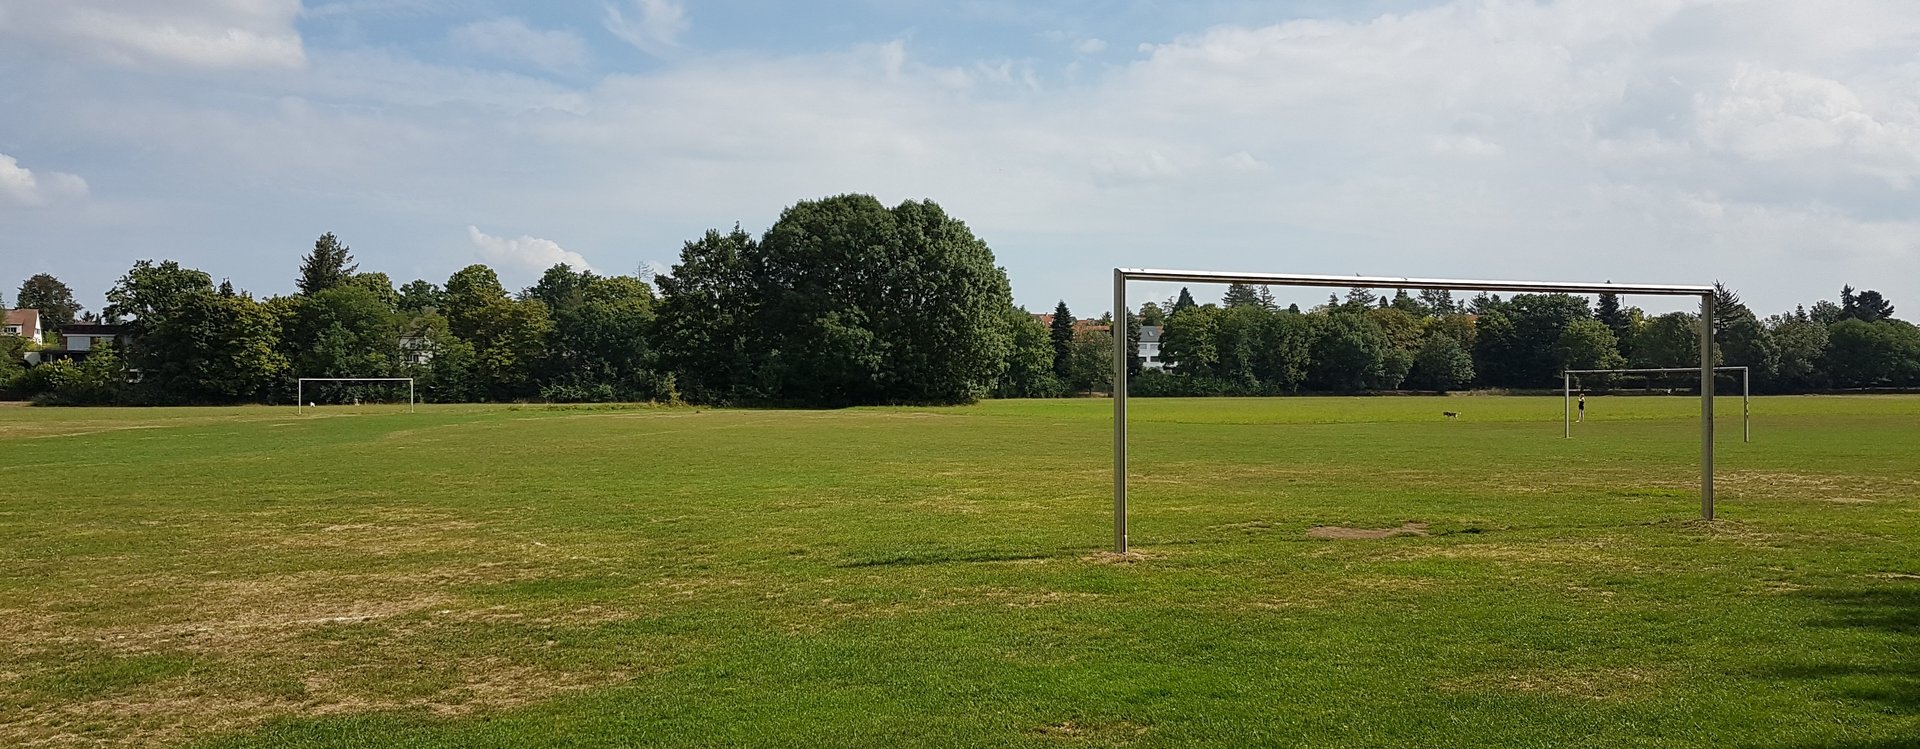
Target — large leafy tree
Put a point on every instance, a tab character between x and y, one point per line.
343	331
1588	344
603	329
1801	347
330	264
51	297
1029	370
1350	352
1442	363
419	296
1190	343
707	310
1867	354
1669	340
867	304
192	344
508	336
1092	360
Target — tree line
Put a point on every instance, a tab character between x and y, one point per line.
845	301
1429	341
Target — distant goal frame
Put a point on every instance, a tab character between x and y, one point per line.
1121	276
300	389
1746	393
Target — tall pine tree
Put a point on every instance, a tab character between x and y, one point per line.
1062	337
1240	295
1184	303
1617	320
329	265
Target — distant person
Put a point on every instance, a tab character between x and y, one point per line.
1583	408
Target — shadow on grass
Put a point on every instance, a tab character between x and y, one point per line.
936	556
1891	682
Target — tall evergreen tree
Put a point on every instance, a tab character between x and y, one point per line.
1062	336
1610	313
329	265
1240	295
1185	301
1870	306
1440	301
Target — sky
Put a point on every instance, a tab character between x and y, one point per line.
1773	145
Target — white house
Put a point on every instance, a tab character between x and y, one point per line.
1150	348
83	336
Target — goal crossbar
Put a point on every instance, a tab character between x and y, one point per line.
300	389
1122	275
1746	393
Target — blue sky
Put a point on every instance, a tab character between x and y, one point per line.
1770	144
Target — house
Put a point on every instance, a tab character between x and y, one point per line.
85	336
1150	348
78	339
416	349
24	323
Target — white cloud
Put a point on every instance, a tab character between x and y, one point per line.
525	257
138	33
657	28
1658	140
1090	46
21	186
512	39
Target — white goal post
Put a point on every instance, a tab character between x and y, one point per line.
1746	393
300	389
1122	275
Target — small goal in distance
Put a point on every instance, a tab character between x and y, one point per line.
300	389
1120	355
1746	393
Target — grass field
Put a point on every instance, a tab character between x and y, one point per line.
516	577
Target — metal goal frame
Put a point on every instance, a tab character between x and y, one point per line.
300	389
1746	393
1122	275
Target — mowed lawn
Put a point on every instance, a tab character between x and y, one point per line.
582	577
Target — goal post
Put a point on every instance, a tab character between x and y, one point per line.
1123	275
1746	393
300	389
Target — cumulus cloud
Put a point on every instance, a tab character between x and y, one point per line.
512	39
185	33
21	186
655	27
524	257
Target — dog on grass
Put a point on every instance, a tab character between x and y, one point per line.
1451	414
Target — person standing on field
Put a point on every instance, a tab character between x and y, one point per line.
1583	408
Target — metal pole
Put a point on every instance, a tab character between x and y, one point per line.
1566	405
299	397
410	398
1706	406
1119	412
1746	402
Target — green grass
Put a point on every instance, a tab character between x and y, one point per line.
586	577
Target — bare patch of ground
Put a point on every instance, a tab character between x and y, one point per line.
1131	557
1340	533
1589	683
1122	732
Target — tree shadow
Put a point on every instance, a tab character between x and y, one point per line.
1892	683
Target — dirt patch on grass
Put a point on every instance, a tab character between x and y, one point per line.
1131	557
1115	732
1831	488
1344	534
1587	683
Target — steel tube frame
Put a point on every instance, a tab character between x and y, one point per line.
1746	391
1122	275
300	389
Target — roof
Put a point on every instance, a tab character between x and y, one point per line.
1149	334
24	317
92	329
